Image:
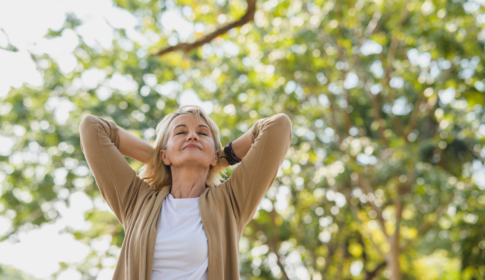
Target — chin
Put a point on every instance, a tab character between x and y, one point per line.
194	160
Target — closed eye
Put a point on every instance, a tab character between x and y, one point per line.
184	132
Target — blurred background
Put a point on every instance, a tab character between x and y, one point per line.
384	178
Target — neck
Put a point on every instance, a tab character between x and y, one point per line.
188	181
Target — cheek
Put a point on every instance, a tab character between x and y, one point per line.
175	143
172	147
209	145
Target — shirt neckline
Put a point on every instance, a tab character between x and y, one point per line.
172	197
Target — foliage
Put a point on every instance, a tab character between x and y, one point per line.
10	273
386	100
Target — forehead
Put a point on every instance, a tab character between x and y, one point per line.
188	119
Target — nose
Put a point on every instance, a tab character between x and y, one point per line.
192	136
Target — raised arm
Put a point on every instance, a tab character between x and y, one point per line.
133	147
240	146
261	159
117	181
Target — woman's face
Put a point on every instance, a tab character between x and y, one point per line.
190	142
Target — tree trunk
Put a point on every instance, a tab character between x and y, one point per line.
393	258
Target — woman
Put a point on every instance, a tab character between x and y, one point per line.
180	222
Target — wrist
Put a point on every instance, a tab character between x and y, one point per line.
229	155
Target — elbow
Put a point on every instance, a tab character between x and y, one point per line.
283	119
283	123
278	126
85	126
90	125
87	122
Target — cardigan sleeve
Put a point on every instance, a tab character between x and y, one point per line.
257	171
117	181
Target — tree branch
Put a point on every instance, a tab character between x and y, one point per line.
273	243
387	78
9	47
396	120
399	203
186	47
378	119
275	246
369	30
369	235
372	24
366	187
371	274
375	107
423	100
390	58
347	117
331	252
413	120
424	228
333	119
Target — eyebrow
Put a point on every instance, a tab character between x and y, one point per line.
200	125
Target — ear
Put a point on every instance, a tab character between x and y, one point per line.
165	159
215	159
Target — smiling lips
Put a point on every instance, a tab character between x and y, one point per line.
192	146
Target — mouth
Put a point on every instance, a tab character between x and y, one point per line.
192	147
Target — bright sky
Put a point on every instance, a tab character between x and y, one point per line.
23	24
40	250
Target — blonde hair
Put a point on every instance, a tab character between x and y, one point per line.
159	175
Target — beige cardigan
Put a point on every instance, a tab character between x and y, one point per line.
225	210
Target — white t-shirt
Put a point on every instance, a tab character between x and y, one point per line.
181	250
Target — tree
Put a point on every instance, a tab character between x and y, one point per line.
386	100
9	273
